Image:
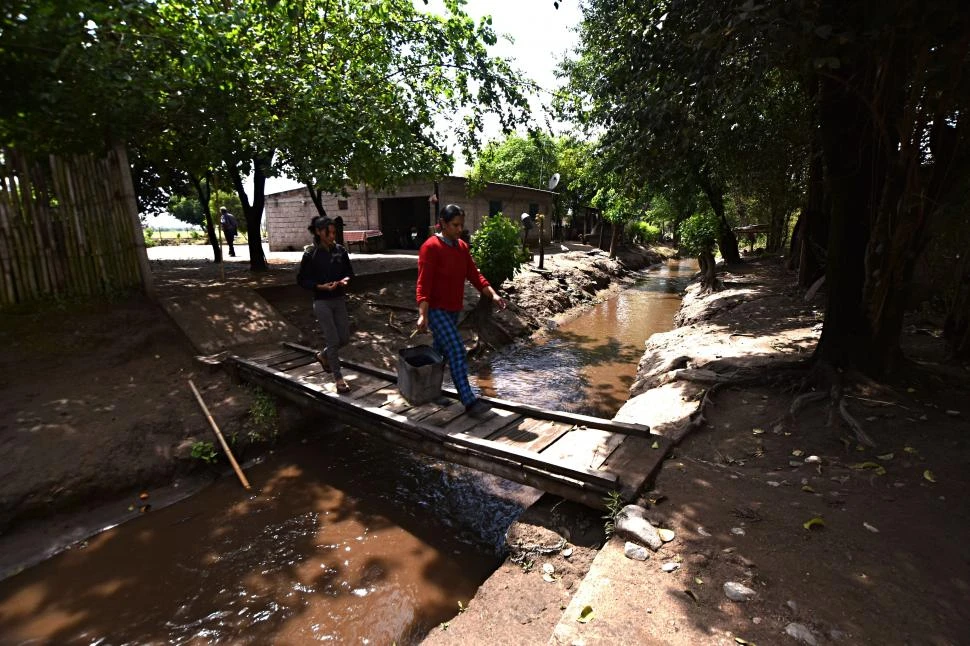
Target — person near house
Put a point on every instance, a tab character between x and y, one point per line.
444	264
325	270
230	227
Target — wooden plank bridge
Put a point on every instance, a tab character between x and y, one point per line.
579	457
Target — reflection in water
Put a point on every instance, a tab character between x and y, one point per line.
347	540
588	364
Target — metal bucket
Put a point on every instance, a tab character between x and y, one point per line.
420	370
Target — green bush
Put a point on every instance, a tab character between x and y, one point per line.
205	451
698	233
148	232
641	232
497	249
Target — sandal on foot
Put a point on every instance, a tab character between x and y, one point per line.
343	387
323	362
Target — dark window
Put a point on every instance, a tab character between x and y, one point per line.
494	207
533	209
342	205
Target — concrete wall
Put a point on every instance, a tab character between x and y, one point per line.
288	213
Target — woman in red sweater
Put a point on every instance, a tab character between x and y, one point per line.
444	264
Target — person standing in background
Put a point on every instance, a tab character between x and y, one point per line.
230	227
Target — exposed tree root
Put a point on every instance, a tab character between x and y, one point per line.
796	372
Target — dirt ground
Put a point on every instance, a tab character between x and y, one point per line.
98	409
882	559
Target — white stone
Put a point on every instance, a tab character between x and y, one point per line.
801	633
737	592
635	552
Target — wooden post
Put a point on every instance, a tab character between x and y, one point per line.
222	440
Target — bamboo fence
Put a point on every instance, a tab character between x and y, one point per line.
68	228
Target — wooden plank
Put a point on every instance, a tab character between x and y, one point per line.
282	362
535	435
297	362
585	448
485	447
271	356
497	423
635	462
445	415
308	370
480	426
362	385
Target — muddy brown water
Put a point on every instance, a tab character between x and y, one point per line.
346	539
588	364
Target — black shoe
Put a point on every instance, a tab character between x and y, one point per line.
478	409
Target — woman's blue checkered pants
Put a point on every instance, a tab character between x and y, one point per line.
447	341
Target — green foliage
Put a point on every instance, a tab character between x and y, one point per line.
698	233
263	414
642	232
188	209
614	503
204	451
523	161
148	232
496	248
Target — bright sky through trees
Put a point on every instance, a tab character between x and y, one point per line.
539	36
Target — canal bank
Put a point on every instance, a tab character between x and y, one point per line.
782	527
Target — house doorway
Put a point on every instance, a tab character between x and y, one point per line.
404	221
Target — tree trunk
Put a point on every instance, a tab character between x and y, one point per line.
203	189
726	240
847	145
813	224
708	271
317	197
956	329
254	210
614	236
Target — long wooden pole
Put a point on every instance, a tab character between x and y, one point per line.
222	440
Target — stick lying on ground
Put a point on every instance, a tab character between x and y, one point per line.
222	440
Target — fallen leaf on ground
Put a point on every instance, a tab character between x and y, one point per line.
743	642
655	445
757	431
929	475
875	466
585	615
871	528
808	489
814	522
797	453
886	456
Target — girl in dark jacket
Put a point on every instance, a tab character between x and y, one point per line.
325	270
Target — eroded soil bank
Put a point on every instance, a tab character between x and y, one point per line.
840	543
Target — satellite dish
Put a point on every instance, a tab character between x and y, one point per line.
554	181
528	221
